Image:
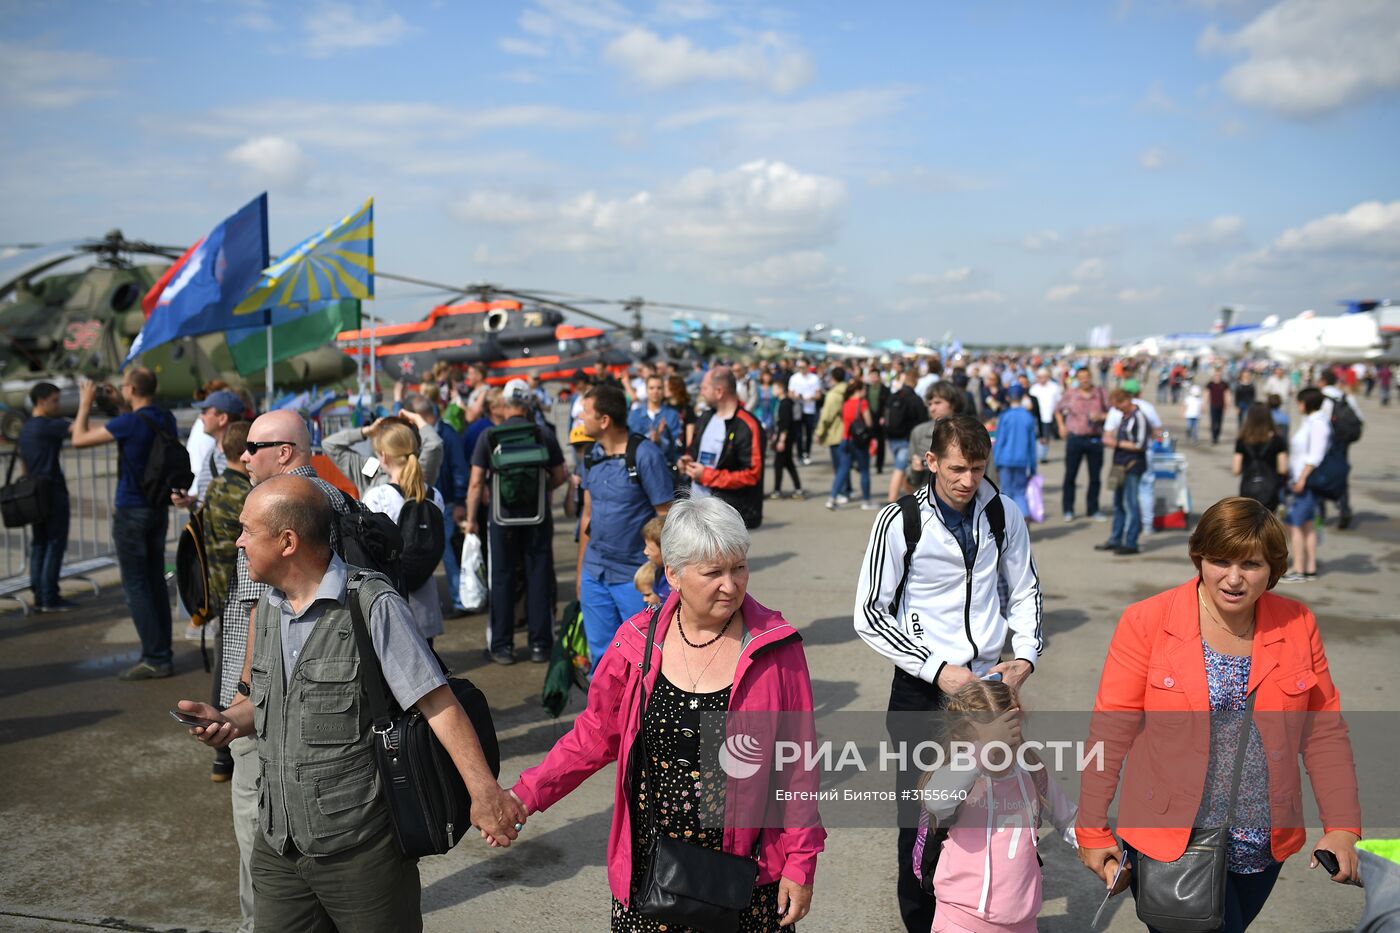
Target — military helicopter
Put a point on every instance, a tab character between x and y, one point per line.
55	327
516	333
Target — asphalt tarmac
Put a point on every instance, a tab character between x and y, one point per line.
109	819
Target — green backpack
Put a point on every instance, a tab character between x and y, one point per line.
519	459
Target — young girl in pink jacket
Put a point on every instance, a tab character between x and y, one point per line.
987	878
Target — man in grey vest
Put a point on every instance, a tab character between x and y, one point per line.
326	854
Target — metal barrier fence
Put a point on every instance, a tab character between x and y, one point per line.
91	475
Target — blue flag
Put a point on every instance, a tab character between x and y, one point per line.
214	279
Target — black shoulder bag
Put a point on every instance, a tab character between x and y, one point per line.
23	501
1188	894
428	801
689	885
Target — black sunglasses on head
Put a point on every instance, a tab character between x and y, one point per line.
254	446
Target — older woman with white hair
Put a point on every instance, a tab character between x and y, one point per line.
709	648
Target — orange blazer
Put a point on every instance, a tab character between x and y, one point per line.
1153	709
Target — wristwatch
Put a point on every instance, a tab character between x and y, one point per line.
244	688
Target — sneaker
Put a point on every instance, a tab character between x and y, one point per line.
843	500
806	461
1125	551
1107	546
1309	577
501	657
143	671
539	655
831	504
1344	521
63	605
777	494
1292	576
1099	517
870	506
799	495
1069	516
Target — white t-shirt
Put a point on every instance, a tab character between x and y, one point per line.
199	446
1308	444
925	381
1115	417
711	443
1048	395
806	386
1193	406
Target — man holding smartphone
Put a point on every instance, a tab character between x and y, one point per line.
326	853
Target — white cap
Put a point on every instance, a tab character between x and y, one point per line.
517	390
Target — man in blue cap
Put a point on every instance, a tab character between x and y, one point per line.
206	442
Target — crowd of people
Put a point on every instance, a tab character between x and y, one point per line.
661	474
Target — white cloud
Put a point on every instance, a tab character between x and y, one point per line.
1372	227
831	114
339	28
768	61
686	10
595	15
1090	270
273	162
1136	295
1041	239
1059	293
1220	232
522	47
803	269
755	212
984	296
1154	159
52	79
1309	57
951	276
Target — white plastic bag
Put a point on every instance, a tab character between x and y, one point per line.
471	588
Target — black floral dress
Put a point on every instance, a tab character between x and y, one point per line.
689	800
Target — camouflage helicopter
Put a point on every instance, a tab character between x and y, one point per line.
56	326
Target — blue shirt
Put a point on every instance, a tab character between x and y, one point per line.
960	524
620	508
640	421
40	440
455	472
135	433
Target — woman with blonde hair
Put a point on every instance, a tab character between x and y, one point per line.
397	446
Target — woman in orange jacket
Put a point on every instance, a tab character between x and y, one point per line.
1202	648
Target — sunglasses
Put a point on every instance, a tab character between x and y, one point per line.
254	446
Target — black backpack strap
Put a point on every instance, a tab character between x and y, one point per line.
996	518
14	456
913	530
633	442
372	683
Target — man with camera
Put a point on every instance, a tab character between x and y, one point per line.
40	443
326	854
141	514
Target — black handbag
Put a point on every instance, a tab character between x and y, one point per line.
428	801
25	501
1188	895
685	884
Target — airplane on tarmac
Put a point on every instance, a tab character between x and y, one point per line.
1363	334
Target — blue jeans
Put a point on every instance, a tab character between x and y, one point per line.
139	535
451	560
605	607
1127	512
848	455
1013	486
47	542
1083	447
1245	895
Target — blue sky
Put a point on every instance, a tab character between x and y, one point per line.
1017	171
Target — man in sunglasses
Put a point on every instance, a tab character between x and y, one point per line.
278	443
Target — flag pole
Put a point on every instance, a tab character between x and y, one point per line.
267	380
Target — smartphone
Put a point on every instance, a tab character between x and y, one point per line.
995	675
370	468
187	719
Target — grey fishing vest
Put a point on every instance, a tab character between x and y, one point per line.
319	785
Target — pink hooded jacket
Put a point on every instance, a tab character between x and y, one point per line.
771	676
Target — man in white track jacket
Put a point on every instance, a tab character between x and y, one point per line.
936	610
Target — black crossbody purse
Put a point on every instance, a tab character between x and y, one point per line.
685	884
1188	895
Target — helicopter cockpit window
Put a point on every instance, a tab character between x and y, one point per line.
124	296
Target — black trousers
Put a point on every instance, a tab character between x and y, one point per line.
782	460
910	695
1217	417
513	550
1089	449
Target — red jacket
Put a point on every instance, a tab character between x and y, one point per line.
1156	665
770	677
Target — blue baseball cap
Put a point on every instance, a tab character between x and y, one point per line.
223	400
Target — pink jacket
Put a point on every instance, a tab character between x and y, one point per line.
771	676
